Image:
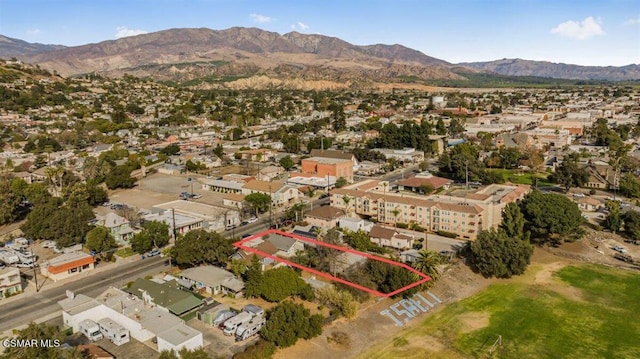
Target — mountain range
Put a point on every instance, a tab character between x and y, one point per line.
254	57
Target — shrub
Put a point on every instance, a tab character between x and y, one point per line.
340	338
402	225
262	349
447	234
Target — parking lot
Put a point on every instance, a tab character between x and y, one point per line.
160	188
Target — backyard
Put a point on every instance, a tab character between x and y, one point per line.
554	311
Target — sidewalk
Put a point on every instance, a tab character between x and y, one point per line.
45	284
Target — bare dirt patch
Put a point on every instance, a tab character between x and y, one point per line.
473	321
544	277
457	282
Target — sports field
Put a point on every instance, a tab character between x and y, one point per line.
554	311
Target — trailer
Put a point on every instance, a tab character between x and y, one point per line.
90	329
26	258
9	257
223	316
231	325
113	331
253	309
249	329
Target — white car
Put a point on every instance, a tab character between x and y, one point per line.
48	244
252	220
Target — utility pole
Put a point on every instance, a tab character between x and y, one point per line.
466	173
173	215
35	273
270	206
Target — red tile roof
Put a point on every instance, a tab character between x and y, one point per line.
69	265
434	181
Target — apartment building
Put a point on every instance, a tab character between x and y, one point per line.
465	213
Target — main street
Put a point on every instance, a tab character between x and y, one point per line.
40	305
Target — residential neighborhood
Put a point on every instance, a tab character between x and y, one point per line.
195	220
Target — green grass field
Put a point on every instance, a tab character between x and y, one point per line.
586	311
522	177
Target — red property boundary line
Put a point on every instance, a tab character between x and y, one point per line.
240	244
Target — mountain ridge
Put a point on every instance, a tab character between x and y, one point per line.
522	67
186	54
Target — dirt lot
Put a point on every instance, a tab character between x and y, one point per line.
457	283
370	326
160	188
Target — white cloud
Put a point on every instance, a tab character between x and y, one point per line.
34	32
300	25
633	21
123	31
261	19
581	30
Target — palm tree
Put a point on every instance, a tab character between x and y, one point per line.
346	199
395	213
427	263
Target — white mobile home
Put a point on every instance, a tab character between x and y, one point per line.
91	330
231	325
113	331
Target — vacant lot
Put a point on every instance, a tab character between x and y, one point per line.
554	311
523	177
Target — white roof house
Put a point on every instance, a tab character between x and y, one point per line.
143	322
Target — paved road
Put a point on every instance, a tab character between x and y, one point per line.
24	310
263	222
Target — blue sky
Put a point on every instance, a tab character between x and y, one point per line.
585	32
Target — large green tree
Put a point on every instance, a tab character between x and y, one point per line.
100	240
199	247
570	174
551	217
40	332
65	223
632	224
286	162
613	220
260	202
9	201
120	177
288	322
283	282
497	255
513	221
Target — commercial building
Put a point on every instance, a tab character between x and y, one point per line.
405	155
213	218
67	265
167	296
10	282
144	323
323	167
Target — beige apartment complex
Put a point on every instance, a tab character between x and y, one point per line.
464	213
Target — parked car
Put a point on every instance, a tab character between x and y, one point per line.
246	235
153	253
324	195
196	196
27	265
623	257
48	244
619	249
252	220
